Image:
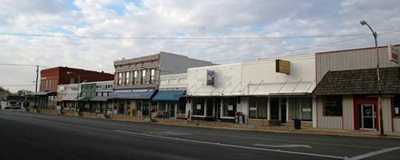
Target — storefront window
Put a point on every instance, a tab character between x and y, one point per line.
333	106
301	108
396	106
229	107
181	108
198	107
258	107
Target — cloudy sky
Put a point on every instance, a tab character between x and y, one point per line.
92	33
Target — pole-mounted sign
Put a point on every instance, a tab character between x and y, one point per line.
393	54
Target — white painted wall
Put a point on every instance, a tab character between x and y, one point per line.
227	81
173	81
254	78
68	92
260	78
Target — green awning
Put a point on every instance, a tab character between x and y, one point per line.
169	95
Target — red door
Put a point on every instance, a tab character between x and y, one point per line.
364	101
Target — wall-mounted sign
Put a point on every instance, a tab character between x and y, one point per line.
253	108
282	66
230	107
306	109
198	106
393	54
210	78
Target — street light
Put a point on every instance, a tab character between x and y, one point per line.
364	23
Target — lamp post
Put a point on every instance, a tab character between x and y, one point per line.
364	23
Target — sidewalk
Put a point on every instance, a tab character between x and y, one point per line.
276	129
306	129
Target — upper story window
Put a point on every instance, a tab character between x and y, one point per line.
152	75
119	78
143	77
127	78
333	106
135	76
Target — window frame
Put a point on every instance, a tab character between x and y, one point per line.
338	102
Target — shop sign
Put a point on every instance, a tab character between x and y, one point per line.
210	78
253	108
230	107
306	109
282	66
198	106
393	54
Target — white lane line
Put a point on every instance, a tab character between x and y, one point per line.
283	146
232	145
374	153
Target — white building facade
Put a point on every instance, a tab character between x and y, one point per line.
67	95
257	90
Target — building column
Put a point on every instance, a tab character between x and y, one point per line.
314	112
176	110
287	109
269	108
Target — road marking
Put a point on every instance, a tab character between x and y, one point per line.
232	145
283	146
374	153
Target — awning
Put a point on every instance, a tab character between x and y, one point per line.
84	98
282	88
99	99
49	93
169	95
133	94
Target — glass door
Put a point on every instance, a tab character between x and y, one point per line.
368	116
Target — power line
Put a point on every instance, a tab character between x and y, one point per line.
22	65
207	37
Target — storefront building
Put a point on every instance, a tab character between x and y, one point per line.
271	90
51	78
68	95
347	92
94	96
137	80
170	98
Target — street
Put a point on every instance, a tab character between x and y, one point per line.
35	136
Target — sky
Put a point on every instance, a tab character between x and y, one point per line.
91	34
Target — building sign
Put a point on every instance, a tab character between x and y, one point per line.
393	54
282	66
230	107
210	78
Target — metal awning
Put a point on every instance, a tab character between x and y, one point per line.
133	94
49	93
169	95
99	99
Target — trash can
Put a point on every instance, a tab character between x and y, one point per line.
297	123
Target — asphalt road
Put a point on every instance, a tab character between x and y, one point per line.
34	136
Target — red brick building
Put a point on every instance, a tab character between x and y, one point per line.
52	77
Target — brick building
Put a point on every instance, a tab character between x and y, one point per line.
52	77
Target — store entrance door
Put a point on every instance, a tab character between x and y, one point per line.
368	116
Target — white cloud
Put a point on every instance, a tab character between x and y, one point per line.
168	18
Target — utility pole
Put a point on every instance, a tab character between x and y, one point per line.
37	79
379	84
